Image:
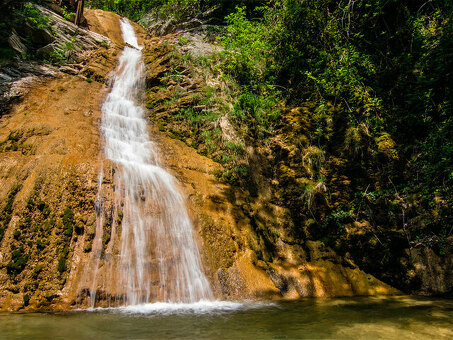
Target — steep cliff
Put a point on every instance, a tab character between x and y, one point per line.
49	168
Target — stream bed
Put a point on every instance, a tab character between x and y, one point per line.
400	317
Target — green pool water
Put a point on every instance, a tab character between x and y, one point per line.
346	318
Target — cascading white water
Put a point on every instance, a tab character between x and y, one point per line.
159	258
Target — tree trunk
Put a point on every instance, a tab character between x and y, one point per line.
79	14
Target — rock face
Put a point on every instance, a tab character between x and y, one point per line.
230	241
72	42
50	152
435	272
49	161
17	78
65	32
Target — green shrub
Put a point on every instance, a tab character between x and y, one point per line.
61	267
70	16
6	212
26	299
337	218
35	18
40	245
17	263
68	222
6	54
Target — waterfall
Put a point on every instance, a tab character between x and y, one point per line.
158	256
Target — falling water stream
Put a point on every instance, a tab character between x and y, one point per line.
158	255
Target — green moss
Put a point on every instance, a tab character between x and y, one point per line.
17	263
26	299
65	241
26	225
68	222
40	245
88	247
6	212
35	18
105	239
16	234
44	208
6	54
61	267
37	270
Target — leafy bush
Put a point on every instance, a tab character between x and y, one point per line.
61	267
68	222
68	15
17	263
40	245
26	299
35	18
6	212
6	54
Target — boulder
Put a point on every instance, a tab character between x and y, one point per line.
15	42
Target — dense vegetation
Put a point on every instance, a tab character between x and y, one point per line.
378	70
376	76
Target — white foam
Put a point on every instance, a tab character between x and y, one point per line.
200	307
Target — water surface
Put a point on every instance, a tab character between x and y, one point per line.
349	318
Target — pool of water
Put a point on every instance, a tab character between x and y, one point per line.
348	318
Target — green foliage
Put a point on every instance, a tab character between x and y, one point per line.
68	222
196	117
133	9
248	50
6	212
261	107
44	208
68	230
337	218
6	54
182	41
248	58
40	245
17	263
385	66
26	299
61	267
67	14
235	148
16	234
61	55
35	18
